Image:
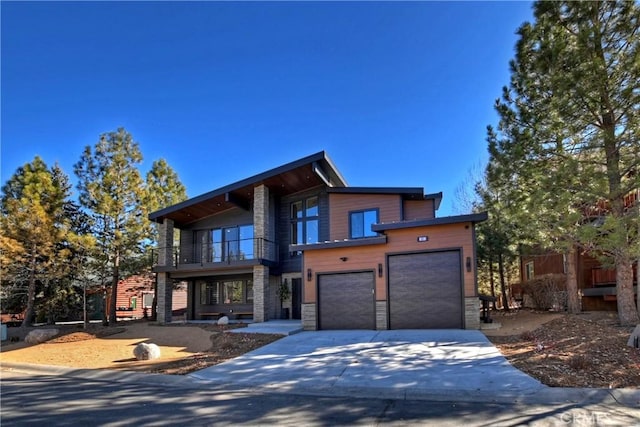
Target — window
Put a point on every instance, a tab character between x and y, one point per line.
224	244
360	223
304	221
133	303
528	270
147	300
232	292
226	292
209	293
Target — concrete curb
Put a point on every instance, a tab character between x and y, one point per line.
543	395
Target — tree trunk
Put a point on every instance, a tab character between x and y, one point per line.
114	290
492	283
31	290
573	296
627	312
503	287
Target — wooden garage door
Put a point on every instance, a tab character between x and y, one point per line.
346	301
425	291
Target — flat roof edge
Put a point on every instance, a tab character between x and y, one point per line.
474	218
378	240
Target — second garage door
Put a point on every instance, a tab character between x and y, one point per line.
425	291
346	301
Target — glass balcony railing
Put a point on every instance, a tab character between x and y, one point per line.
217	252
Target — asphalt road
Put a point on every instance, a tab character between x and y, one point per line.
56	400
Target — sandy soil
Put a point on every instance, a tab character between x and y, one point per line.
518	321
80	349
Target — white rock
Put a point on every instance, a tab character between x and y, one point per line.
144	351
224	320
634	339
38	336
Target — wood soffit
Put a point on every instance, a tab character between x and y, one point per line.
286	180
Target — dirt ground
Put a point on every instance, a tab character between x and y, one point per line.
561	350
184	348
585	350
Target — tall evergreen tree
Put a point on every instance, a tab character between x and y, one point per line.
570	130
34	227
112	190
163	188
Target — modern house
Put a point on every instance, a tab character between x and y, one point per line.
351	257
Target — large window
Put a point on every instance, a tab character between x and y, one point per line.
360	223
224	244
304	221
209	292
226	292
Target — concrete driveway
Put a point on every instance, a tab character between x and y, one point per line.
391	364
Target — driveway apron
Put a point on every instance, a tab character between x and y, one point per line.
398	363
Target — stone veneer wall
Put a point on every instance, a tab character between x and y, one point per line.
260	293
472	313
309	321
261	300
165	285
381	315
165	294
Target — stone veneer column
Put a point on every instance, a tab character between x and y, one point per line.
165	243
309	321
164	283
260	293
261	272
472	313
381	315
165	296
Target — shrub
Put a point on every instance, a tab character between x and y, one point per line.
547	291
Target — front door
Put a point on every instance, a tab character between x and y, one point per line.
296	298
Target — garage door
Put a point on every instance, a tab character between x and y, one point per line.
346	301
425	291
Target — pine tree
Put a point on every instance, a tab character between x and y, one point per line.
112	190
569	132
33	226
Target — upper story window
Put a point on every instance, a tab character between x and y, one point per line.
360	223
224	244
304	221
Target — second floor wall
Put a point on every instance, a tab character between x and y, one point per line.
312	216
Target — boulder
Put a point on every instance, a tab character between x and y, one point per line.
224	320
634	339
38	336
144	351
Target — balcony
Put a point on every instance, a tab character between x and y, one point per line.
216	256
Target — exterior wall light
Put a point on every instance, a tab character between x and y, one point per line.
309	276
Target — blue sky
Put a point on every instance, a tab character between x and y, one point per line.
398	94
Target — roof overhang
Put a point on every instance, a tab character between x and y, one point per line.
300	175
407	193
473	218
347	243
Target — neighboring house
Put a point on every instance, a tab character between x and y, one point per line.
353	257
135	297
596	283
